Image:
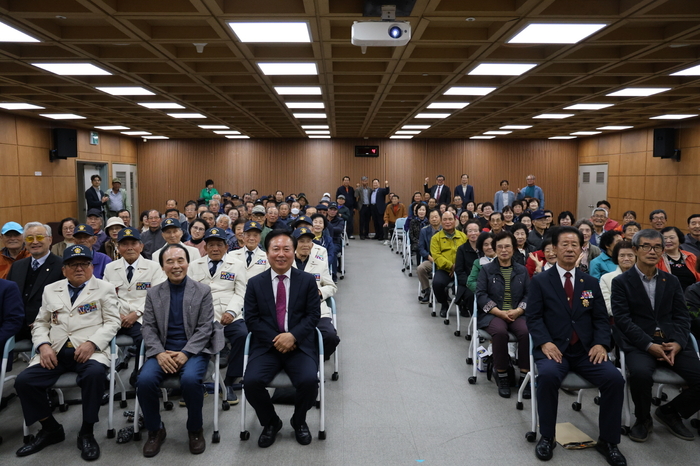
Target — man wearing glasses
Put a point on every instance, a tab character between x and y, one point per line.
654	326
78	318
33	273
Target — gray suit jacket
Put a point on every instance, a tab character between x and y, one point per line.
203	334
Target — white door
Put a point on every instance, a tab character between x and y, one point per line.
592	187
85	172
127	174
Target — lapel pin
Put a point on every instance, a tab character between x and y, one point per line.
581	280
663	279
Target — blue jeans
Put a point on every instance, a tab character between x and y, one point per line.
191	375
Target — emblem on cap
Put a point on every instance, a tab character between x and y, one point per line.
304	230
128	232
253	224
169	221
81	227
214	231
77	250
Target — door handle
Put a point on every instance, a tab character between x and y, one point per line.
591	206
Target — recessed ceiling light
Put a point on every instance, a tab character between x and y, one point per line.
314	126
496	133
432	115
502	69
62	116
240	136
408	132
482	137
692	71
309	115
213	126
318	131
304	104
638	91
400	137
157	105
554	116
614	128
588	106
125	90
288	69
318	136
469	90
670	116
447	105
156	137
415	127
111	128
516	127
563	137
271	32
136	133
298	90
555	33
186	115
227	131
73	69
10	34
19	106
585	133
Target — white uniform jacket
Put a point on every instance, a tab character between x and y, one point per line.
257	265
132	296
318	267
227	285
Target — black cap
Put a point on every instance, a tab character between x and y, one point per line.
322	207
303	231
215	233
169	223
94	213
235	196
128	233
83	229
77	251
538	214
227	194
302	219
252	226
333	205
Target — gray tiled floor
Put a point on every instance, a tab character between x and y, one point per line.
402	399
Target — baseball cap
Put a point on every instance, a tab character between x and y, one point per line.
303	231
77	251
215	233
258	209
170	223
116	180
12	226
538	214
94	213
83	229
252	226
128	233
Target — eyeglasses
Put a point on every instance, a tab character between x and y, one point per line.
658	217
648	247
503	247
77	265
197	229
30	239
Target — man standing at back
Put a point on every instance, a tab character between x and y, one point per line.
94	196
530	191
465	190
440	191
349	195
362	198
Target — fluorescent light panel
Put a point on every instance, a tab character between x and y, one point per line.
638	91
186	115
502	69
496	133
319	137
125	90
160	105
73	69
288	69
62	116
555	33
156	137
19	106
271	32
415	127
136	133
111	128
614	128
432	115
692	71
401	137
318	131
563	137
314	126
516	127
482	137
240	136
585	133
554	116
309	115
408	132
588	106
213	126
447	105
304	104
298	90
10	34
469	90
670	116
227	131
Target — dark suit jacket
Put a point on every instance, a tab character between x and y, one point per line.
349	196
637	321
381	200
11	311
303	312
466	196
445	194
50	272
550	319
93	200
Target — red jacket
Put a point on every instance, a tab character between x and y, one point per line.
690	262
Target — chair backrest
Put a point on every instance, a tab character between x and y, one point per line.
400	222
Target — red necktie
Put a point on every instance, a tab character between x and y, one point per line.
569	290
437	194
281	302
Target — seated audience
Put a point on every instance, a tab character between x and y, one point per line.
172	234
67	226
692	239
588	251
658	219
418	222
692	298
484	246
604	263
523	248
11	314
426	260
197	229
109	247
566	219
85	236
539	224
13	249
629	230
682	265
508	218
443	248
467	255
624	257
546	261
251	254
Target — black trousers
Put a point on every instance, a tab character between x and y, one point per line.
302	371
329	335
31	385
641	366
236	333
440	281
378	221
365	216
350	225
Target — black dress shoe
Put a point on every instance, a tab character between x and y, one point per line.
443	310
674	423
267	437
89	447
611	453
641	429
42	440
503	385
301	432
544	448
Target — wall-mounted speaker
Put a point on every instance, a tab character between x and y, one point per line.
664	142
65	143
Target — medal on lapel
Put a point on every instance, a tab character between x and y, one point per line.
585	296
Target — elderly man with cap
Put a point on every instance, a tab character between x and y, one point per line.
252	255
317	265
152	238
272	221
539	227
226	276
85	236
117	198
95	220
78	318
172	234
132	277
316	249
14	249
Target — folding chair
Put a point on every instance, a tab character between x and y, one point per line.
342	256
68	380
398	234
346	238
482	336
661	376
406	255
334	317
172	382
453	303
9	347
282	380
123	343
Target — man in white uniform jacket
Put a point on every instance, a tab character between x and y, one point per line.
172	234
78	318
226	276
253	257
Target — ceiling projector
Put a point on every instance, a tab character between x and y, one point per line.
380	33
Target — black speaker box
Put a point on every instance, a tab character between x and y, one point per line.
65	142
664	142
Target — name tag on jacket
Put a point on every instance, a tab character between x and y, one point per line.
87	308
228	276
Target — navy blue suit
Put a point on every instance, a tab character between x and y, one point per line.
264	361
11	313
551	319
377	211
467	195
